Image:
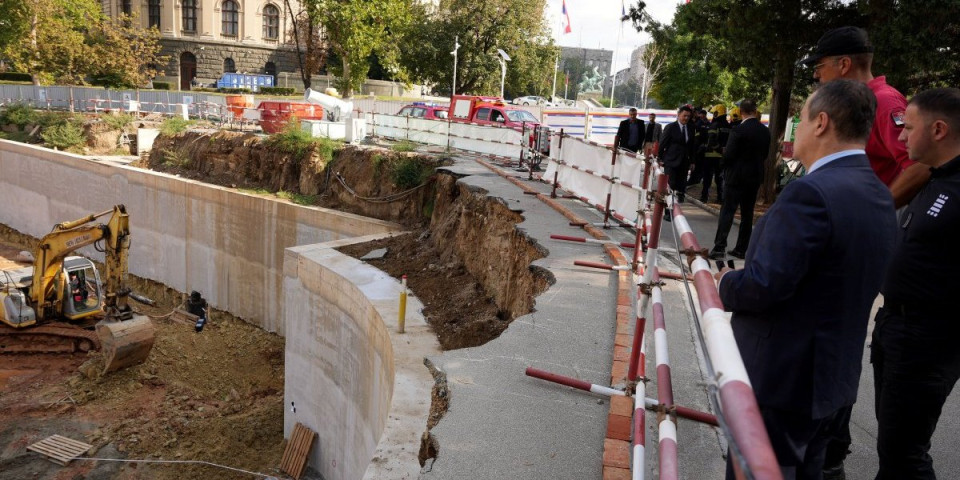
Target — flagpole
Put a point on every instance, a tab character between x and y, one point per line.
556	61
613	84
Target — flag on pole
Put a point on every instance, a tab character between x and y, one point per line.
623	10
565	19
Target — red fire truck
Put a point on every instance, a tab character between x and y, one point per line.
495	111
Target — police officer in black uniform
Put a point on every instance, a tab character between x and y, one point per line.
915	358
717	134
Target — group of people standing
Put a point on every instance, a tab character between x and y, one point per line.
875	213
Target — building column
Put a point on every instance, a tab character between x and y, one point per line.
168	18
209	18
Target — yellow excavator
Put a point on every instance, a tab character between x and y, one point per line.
54	305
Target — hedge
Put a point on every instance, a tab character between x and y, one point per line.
277	90
162	86
16	77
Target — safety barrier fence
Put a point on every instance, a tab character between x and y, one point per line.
501	142
730	393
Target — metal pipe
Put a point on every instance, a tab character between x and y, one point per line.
573	382
738	403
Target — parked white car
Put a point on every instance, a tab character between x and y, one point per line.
532	100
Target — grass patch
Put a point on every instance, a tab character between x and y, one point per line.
255	191
298	198
170	157
409	172
117	122
63	136
298	143
19	114
22	137
403	146
174	125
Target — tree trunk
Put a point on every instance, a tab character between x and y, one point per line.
346	81
779	112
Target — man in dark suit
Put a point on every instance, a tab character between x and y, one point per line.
743	160
652	135
630	134
676	144
801	303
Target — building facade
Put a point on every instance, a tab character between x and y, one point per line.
203	39
589	57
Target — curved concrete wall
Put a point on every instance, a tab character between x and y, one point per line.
347	369
185	234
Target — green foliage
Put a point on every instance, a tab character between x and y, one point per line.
256	191
49	119
171	157
19	114
298	143
15	77
403	146
232	90
277	90
22	137
127	54
516	26
174	125
63	136
355	29
409	172
162	85
117	122
298	198
378	163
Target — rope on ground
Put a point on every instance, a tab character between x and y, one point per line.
196	462
161	317
387	199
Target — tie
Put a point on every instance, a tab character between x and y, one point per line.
683	128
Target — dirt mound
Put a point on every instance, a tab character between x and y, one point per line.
367	184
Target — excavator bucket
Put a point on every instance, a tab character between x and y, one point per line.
126	343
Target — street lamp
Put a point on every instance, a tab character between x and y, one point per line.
504	58
456	46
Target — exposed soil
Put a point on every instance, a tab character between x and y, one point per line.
215	396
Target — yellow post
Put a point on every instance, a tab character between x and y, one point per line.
403	305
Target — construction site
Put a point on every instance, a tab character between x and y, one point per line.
381	310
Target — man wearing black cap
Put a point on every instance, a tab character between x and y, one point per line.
846	53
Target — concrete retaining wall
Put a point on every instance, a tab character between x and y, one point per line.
347	369
190	236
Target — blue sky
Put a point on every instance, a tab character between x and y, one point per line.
596	23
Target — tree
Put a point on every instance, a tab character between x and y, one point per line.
127	54
652	59
515	26
355	29
308	37
760	40
48	38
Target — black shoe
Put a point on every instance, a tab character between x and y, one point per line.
834	473
666	216
717	254
737	253
719	199
703	199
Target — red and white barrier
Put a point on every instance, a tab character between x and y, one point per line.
573	382
737	401
592	240
669	467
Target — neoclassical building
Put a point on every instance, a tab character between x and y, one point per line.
206	38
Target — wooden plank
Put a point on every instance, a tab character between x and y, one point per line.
59	449
294	459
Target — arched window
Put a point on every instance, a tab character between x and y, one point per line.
231	18
271	22
125	7
189	15
229	66
153	13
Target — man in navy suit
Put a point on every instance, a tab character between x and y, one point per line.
802	301
676	145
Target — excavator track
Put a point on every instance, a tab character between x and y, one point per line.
54	337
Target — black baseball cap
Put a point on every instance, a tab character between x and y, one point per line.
839	41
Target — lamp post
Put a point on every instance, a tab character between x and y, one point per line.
504	58
456	46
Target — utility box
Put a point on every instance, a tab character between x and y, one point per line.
145	138
356	130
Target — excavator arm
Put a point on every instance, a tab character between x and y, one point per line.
68	237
